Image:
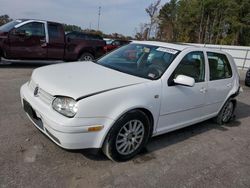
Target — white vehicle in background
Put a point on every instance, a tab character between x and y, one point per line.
138	91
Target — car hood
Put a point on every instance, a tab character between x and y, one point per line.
81	79
3	34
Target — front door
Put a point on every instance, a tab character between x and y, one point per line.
183	105
28	41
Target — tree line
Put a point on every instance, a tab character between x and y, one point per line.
200	21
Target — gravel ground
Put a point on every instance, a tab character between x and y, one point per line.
202	155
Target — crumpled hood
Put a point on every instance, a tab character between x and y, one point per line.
80	79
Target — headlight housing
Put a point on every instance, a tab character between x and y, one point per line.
65	106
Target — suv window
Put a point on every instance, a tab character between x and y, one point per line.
33	29
219	66
193	65
54	31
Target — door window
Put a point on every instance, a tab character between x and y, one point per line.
32	29
55	31
193	65
219	66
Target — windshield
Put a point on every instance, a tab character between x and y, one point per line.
8	26
141	60
109	41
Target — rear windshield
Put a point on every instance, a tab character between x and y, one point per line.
8	26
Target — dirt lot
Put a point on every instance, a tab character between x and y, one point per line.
202	155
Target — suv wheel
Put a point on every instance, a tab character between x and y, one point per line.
86	57
127	137
226	113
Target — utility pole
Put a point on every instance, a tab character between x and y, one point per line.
99	14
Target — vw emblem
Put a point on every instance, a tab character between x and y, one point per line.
36	91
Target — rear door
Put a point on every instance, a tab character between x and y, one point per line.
28	41
220	81
56	41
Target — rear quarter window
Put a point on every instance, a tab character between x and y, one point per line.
55	31
219	66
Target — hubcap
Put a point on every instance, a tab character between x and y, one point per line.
86	58
227	113
130	137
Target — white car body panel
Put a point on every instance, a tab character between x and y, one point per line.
103	95
61	79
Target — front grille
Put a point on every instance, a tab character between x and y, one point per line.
42	95
45	97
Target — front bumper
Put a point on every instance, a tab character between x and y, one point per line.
68	133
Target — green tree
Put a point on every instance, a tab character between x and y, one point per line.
69	28
206	21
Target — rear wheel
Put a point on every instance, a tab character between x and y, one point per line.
86	57
127	137
247	83
226	113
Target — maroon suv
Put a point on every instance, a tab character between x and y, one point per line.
44	40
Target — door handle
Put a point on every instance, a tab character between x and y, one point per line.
229	85
203	90
43	40
43	45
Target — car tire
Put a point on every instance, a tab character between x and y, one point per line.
127	137
86	57
226	113
247	83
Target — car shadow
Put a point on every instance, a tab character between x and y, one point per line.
243	110
171	138
165	140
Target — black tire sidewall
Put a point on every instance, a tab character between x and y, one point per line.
219	118
111	139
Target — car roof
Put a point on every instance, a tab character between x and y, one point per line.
163	44
24	20
177	46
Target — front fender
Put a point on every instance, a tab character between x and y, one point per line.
113	104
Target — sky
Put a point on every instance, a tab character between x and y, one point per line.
117	16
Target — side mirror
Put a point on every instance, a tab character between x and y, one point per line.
184	80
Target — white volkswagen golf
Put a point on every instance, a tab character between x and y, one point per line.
138	91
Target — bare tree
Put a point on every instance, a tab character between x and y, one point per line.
141	32
152	11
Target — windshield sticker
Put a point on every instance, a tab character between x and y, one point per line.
168	50
146	50
151	75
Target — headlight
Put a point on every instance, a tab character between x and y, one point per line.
65	106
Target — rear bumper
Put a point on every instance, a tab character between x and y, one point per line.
68	133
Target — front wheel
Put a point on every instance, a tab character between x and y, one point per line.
226	113
86	57
127	136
